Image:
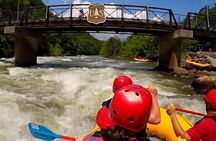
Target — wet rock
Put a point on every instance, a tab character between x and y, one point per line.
212	60
204	77
203	83
180	71
200	61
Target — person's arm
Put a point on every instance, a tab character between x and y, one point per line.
179	131
154	117
79	138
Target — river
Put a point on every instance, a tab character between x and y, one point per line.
64	93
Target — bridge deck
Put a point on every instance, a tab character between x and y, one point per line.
119	18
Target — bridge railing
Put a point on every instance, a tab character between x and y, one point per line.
149	15
67	14
180	19
200	22
117	16
34	14
6	18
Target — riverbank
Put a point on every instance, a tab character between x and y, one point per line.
201	66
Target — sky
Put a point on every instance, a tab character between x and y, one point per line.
177	6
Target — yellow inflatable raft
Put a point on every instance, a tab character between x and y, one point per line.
196	64
141	59
164	129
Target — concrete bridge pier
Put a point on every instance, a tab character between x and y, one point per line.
170	48
25	47
25	50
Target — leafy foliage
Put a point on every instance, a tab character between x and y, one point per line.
56	50
70	43
140	45
6	47
59	44
112	48
12	5
190	45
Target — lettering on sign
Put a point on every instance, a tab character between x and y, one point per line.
96	14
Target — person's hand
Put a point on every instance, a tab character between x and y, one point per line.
171	109
153	91
180	139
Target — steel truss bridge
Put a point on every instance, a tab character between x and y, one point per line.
119	18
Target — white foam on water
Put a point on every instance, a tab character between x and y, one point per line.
66	99
18	71
13	121
6	61
188	103
86	89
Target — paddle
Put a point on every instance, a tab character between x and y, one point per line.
41	132
190	112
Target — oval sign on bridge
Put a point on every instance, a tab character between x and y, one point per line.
96	14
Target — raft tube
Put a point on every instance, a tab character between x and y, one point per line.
197	64
141	59
164	129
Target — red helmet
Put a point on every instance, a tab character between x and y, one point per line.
210	98
103	118
121	81
130	107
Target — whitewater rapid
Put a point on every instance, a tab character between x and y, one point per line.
64	93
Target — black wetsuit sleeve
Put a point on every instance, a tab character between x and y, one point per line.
107	103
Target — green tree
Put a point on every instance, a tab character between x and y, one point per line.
71	44
56	50
111	48
86	44
140	45
12	4
190	45
6	46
